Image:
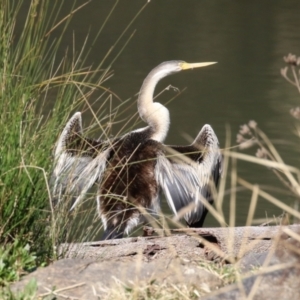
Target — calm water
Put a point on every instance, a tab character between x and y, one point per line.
248	40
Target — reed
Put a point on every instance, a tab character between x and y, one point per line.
32	80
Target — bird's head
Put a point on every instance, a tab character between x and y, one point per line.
173	66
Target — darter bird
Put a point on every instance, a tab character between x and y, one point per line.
131	171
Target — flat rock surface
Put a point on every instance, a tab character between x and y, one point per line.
90	270
282	284
89	279
277	275
207	243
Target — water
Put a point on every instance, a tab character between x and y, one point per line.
248	39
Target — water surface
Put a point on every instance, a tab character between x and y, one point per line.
248	39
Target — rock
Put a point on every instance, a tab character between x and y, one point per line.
280	284
97	269
207	243
278	278
91	279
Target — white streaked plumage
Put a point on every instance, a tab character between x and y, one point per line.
184	180
68	167
132	170
75	170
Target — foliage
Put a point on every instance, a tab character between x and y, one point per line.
15	260
31	79
29	292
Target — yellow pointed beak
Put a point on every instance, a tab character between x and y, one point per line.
186	66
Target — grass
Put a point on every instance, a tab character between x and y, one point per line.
29	292
15	261
153	290
30	76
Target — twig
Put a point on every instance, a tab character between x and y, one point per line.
62	289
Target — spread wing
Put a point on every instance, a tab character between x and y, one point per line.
79	162
185	174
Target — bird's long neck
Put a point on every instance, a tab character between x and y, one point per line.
154	114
